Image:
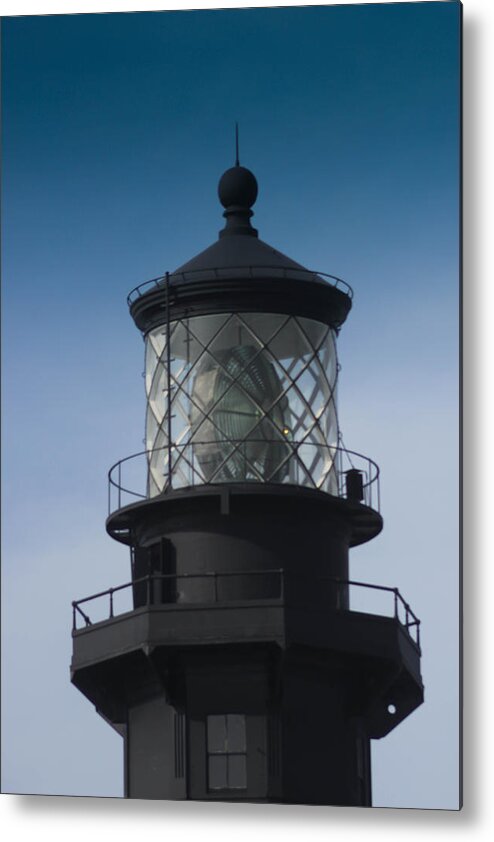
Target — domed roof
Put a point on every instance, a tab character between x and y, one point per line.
240	273
238	247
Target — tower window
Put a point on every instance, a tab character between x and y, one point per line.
227	751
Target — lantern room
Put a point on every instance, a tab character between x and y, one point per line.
241	363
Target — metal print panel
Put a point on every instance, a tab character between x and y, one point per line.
276	619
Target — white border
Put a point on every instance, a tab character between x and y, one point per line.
45	7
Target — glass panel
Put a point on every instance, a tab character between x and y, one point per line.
263	325
217	462
157	387
253	399
237	771
216	728
151	430
316	333
217	771
235	731
203	329
234	334
150	363
185	350
156	341
181	412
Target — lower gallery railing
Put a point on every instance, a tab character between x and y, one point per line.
164	589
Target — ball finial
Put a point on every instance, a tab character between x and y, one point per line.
237	188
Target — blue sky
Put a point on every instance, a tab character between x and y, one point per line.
115	131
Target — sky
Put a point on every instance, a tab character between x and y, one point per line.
115	131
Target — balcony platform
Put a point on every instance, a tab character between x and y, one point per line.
377	652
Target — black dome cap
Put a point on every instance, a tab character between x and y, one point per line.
237	188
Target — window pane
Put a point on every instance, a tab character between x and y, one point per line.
235	732
217	771
216	727
237	771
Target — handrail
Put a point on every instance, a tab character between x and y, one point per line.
411	621
153	577
367	468
397	599
75	607
225	272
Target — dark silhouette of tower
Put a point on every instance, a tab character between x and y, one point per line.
237	669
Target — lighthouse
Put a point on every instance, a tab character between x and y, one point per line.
232	661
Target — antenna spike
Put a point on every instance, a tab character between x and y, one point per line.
237	162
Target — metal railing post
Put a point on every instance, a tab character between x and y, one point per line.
168	381
111	602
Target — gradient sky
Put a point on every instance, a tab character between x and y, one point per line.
116	129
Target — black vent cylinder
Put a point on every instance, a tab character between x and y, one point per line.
354	485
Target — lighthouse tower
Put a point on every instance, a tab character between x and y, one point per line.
232	661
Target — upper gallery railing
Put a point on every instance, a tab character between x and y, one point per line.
246	271
346	474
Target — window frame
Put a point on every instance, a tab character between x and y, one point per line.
225	751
